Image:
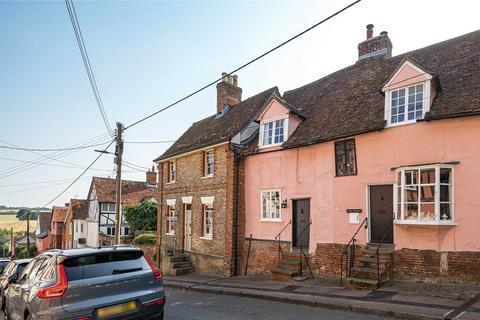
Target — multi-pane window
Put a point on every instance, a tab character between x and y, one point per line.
271	204
273	132
171	220
108	207
172	171
208	221
345	159
209	163
407	104
111	231
424	194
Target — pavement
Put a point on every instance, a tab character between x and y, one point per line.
401	300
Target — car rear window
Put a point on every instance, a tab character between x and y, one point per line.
103	264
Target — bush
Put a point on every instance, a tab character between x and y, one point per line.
146	238
142	216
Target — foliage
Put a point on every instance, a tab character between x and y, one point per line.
146	238
142	216
22	214
22	253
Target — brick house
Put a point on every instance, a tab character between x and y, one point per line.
42	235
101	206
75	224
57	227
200	211
387	147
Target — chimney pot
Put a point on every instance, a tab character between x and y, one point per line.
369	31
383	33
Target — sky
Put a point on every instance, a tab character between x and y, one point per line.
147	54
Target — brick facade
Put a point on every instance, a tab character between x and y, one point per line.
214	255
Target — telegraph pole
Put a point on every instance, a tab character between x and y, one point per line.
118	162
28	233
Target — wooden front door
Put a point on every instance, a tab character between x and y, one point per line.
301	218
188	228
381	213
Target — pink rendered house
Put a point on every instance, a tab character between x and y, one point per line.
388	147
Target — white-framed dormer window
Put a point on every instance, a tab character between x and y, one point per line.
407	104
172	171
271	204
425	195
273	132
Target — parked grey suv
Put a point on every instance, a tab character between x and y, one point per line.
85	284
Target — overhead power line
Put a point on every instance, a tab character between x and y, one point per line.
244	65
86	62
147	142
52	150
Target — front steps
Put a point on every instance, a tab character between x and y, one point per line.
364	274
181	264
289	268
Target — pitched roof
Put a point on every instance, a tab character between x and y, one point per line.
58	213
44	221
214	130
133	192
79	208
350	101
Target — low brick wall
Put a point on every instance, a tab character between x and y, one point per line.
263	256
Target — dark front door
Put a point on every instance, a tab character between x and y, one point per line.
381	213
301	218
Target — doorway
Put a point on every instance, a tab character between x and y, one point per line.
188	228
381	213
301	219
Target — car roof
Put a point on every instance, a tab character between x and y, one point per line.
89	251
22	261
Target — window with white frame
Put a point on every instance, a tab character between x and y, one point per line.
108	207
273	132
209	160
407	104
81	227
271	200
208	221
172	171
424	194
171	220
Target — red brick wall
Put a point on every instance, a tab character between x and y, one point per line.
263	256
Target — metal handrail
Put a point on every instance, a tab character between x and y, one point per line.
350	259
172	244
277	237
377	252
302	253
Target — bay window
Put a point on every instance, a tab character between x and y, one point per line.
424	195
271	201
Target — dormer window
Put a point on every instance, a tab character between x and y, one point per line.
273	132
407	104
407	95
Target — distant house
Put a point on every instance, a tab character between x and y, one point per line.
75	224
57	227
101	207
42	236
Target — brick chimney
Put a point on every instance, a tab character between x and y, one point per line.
375	46
151	177
228	93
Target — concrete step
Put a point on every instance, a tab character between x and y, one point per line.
359	283
180	271
179	258
368	273
371	262
281	274
183	264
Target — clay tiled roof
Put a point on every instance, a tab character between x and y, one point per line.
58	213
133	192
350	100
79	208
44	220
214	130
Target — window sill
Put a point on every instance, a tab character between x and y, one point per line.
271	220
170	182
397	124
345	175
270	145
206	238
416	223
207	177
169	234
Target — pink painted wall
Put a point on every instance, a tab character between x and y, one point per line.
407	75
42	244
310	172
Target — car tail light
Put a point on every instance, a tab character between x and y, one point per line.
58	289
160	302
157	273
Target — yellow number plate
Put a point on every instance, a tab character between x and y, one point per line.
116	309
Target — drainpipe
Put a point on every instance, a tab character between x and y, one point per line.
237	159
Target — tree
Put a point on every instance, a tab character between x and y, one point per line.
22	214
142	216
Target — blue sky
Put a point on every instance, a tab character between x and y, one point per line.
146	55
